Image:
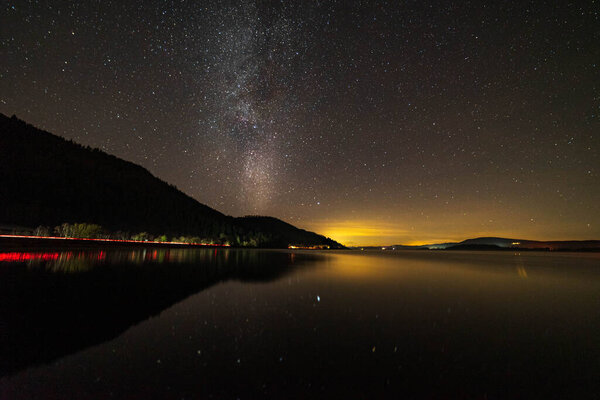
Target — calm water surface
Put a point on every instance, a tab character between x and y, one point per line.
190	324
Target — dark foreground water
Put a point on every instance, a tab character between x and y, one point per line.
190	324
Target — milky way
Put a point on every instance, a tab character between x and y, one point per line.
253	92
368	121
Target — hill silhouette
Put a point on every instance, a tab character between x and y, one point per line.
498	243
47	180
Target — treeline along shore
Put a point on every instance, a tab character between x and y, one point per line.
34	242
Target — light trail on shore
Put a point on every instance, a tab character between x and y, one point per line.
113	240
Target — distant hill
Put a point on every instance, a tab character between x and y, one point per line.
557	245
47	180
497	243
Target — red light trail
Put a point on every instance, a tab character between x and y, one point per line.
112	240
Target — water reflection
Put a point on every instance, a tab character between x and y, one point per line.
353	325
72	261
56	303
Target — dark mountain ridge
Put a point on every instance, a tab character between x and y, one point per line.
498	243
48	180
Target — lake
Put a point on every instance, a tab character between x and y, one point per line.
232	323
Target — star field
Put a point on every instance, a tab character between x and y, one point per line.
370	122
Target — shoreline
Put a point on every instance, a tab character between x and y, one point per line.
27	242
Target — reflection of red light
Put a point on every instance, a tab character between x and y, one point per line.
31	256
49	256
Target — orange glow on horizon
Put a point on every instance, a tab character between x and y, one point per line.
373	233
377	233
358	233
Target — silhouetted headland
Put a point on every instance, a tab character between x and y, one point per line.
49	182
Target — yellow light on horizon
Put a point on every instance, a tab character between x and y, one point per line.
375	233
360	233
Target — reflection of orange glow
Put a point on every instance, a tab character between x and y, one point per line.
352	266
316	247
522	272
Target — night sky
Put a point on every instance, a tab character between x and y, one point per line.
370	122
